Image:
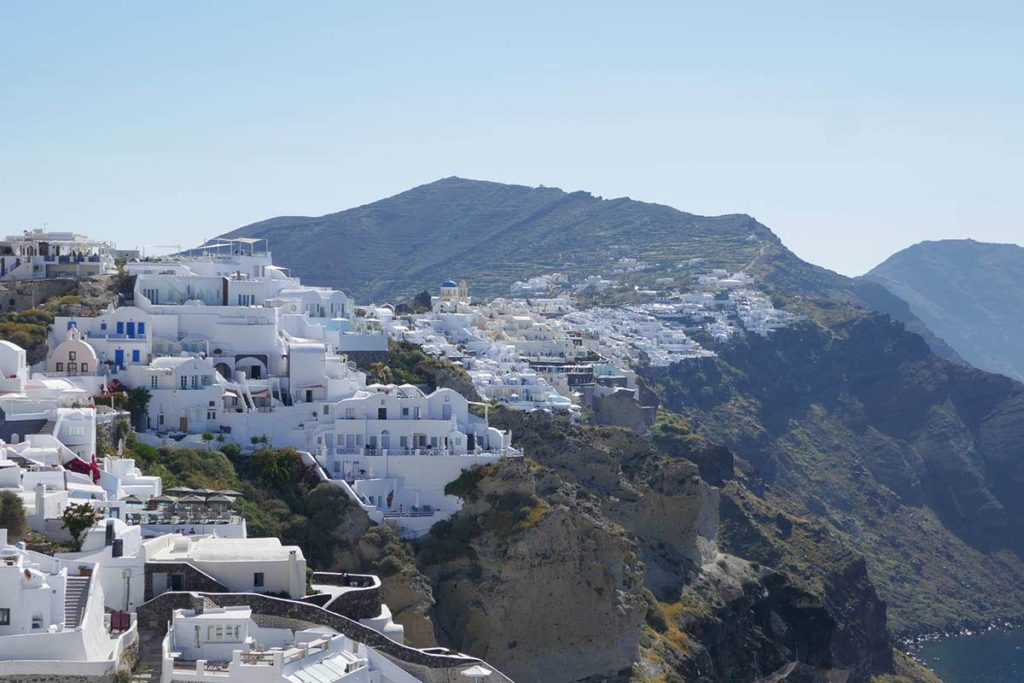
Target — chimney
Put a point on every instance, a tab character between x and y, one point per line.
291	574
41	500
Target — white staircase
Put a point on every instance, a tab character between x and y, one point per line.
74	600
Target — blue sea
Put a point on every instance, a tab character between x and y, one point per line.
992	657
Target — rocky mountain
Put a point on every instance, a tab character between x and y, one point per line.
969	293
855	458
493	234
598	559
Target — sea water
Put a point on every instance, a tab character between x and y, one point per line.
991	657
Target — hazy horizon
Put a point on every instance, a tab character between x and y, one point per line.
851	131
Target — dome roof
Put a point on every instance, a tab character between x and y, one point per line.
450	283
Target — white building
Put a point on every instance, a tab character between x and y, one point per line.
227	644
52	621
241	565
37	254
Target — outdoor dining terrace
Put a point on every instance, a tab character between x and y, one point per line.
182	506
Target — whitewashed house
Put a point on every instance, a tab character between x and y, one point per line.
38	254
52	621
221	644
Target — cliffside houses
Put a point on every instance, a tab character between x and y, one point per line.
228	644
52	619
38	254
227	343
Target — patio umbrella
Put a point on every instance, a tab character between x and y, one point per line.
180	489
132	500
191	500
164	500
204	492
220	499
229	492
476	672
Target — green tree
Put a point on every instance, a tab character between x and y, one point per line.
136	402
421	302
208	438
277	468
12	516
77	518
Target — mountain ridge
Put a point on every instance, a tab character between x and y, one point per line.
968	292
492	234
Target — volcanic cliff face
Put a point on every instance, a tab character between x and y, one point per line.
910	459
530	576
601	563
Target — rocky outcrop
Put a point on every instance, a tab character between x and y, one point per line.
531	576
620	409
540	575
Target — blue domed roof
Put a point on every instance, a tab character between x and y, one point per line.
450	283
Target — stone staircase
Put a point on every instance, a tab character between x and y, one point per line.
148	668
48	427
74	600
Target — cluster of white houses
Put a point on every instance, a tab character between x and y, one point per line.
224	342
38	254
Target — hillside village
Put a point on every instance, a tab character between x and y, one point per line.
221	345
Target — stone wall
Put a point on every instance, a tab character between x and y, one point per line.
192	579
21	295
361	601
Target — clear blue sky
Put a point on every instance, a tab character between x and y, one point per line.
851	129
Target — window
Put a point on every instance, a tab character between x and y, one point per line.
120	328
153	382
161	420
72	367
142	329
327	409
211	414
405	411
350	413
184	381
72	355
382	413
60	367
135	355
257	580
103	326
5	616
85	367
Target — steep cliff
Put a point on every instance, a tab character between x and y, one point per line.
530	576
608	524
909	459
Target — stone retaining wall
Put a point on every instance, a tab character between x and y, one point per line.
360	601
193	579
